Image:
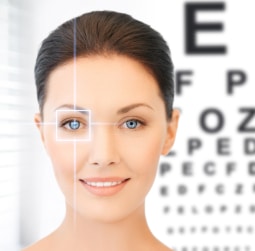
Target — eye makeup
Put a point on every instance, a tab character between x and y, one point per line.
73	125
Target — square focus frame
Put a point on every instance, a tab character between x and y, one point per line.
88	136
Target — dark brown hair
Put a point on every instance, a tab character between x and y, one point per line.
106	32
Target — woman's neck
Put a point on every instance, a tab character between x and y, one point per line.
130	233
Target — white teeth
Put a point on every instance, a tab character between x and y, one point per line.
103	184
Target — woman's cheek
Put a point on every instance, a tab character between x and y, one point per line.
145	153
63	163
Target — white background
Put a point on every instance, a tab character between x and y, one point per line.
41	206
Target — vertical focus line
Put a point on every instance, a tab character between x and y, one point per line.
74	64
74	183
74	104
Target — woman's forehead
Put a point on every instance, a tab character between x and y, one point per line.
112	67
102	79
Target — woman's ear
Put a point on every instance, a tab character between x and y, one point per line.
171	132
38	122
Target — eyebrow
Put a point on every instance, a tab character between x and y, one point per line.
120	111
131	107
74	108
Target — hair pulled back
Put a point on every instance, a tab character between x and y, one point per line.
102	33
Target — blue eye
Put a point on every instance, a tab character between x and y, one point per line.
132	124
72	124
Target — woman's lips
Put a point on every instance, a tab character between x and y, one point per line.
104	186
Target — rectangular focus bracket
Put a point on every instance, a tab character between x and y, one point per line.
72	137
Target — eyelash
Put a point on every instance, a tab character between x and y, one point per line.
66	122
140	124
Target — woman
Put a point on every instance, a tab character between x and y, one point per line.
105	90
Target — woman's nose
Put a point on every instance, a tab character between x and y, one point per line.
103	151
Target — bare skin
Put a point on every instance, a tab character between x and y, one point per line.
130	234
109	220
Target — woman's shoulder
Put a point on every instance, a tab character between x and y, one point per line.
166	249
41	245
38	246
157	245
163	248
51	243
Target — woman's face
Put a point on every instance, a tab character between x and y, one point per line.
105	159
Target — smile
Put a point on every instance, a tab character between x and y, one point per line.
104	186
